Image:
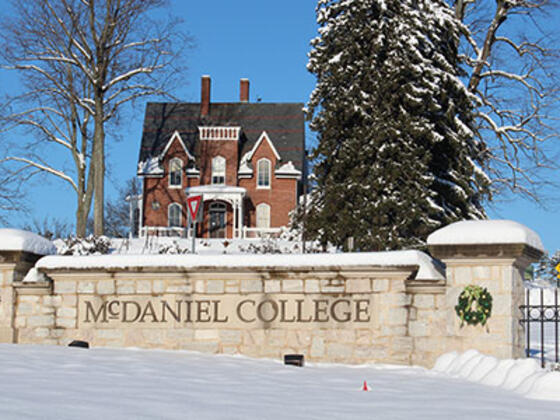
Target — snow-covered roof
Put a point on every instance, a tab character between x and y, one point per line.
21	240
472	232
288	169
427	269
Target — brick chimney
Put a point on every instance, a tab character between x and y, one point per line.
204	96
244	90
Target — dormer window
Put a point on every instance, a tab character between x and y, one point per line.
218	171
263	173
175	173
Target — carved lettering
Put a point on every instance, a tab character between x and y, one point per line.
240	309
346	314
136	306
102	311
203	311
149	311
176	314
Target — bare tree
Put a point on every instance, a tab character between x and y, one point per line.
82	62
512	69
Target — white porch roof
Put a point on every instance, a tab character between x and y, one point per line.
228	193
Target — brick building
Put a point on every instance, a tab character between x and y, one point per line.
246	160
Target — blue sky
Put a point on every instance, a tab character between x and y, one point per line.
266	42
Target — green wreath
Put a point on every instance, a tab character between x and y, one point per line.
474	305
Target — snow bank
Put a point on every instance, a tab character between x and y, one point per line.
51	382
21	240
523	376
486	232
427	268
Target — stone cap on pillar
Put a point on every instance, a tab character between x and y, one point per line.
485	239
17	245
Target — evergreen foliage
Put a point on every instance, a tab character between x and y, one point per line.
396	157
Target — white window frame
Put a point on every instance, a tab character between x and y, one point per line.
216	174
260	216
267	173
171	162
169	209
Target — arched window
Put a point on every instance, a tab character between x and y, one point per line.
263	216
263	173
174	215
218	171
175	173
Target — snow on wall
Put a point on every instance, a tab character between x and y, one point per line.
523	376
427	268
472	232
21	240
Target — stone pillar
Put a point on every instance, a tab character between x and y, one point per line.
19	250
491	254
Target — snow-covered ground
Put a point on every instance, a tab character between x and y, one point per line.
46	382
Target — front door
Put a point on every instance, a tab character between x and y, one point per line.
217	222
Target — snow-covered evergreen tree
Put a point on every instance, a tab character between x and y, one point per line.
396	155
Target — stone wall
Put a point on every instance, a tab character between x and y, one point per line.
337	315
391	307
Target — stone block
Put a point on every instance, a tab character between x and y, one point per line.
292	285
25	308
144	286
159	286
69	300
232	286
65	312
417	329
398	299
398	285
272	286
64	286
462	276
231	336
179	288
20	322
42	332
106	287
251	286
275	338
203	347
29	298
204	335
333	286
317	347
380	285
66	323
125	287
229	350
398	316
109	334
424	301
311	286
46	310
371	354
358	286
52	300
215	286
339	352
40	321
86	287
199	286
481	272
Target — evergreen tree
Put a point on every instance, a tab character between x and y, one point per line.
396	157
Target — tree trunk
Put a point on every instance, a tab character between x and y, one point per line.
99	165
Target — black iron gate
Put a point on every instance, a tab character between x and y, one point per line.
544	318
